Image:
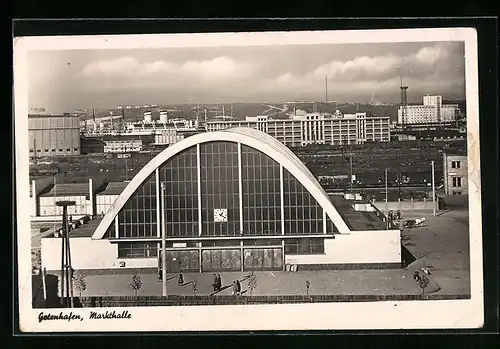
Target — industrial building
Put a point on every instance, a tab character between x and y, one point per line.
431	111
316	128
227	200
455	173
91	198
53	135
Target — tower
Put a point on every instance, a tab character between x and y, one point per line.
404	103
326	88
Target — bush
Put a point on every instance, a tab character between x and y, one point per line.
136	283
80	283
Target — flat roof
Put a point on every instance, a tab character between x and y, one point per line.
85	230
68	189
113	188
356	220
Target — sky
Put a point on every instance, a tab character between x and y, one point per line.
66	80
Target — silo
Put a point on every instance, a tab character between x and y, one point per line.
147	117
163	116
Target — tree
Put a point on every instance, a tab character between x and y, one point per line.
308	285
423	282
80	283
136	283
194	286
252	283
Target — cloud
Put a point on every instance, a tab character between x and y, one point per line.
421	69
128	67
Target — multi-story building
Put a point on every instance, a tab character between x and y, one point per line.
316	128
53	135
455	174
122	144
431	111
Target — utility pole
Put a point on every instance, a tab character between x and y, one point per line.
163	242
433	191
351	171
66	268
326	89
386	194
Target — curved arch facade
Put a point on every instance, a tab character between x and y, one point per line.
255	183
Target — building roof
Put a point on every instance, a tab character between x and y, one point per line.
83	231
68	189
86	230
113	188
247	136
356	220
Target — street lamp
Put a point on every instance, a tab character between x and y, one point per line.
433	191
66	268
163	255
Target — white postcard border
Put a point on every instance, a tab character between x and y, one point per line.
325	316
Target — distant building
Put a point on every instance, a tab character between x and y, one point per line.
316	128
431	111
53	135
455	174
122	144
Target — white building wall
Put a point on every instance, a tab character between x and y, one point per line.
48	205
89	254
358	247
104	202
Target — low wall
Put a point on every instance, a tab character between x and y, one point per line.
358	247
405	205
142	301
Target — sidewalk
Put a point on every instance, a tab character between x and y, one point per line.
360	282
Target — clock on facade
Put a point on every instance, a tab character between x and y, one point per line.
220	215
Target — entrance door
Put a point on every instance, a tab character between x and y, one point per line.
263	259
185	260
221	260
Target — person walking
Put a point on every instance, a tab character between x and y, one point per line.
181	279
235	288
215	282
238	287
219	282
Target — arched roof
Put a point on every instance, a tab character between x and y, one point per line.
246	136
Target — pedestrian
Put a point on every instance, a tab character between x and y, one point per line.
215	282
235	288
219	282
160	274
181	279
238	287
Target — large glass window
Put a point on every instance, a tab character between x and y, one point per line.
303	215
261	193
138	216
305	246
220	189
181	194
137	250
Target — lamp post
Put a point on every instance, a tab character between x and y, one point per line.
66	268
386	201
163	241
433	191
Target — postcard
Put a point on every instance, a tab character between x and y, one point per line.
303	180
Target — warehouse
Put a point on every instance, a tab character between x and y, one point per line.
53	135
236	199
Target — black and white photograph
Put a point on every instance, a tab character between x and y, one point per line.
248	181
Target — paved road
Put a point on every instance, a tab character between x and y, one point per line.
443	244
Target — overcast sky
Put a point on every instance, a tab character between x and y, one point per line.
63	81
